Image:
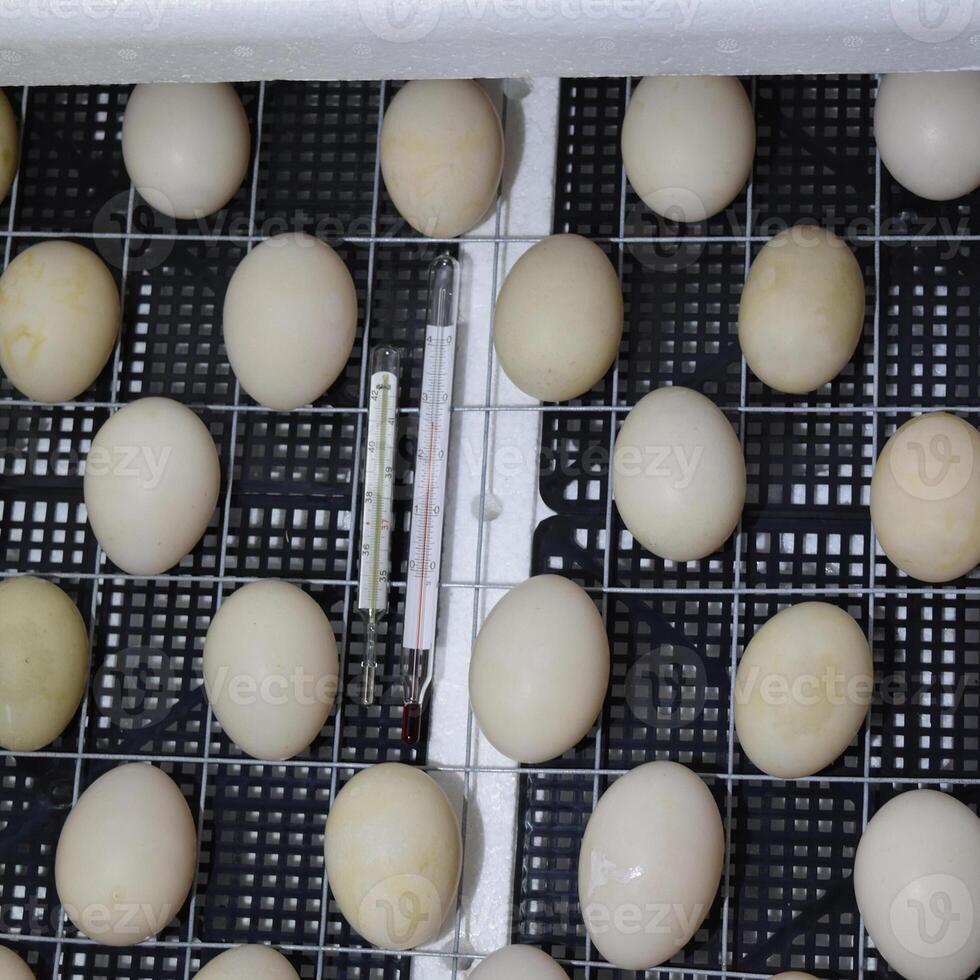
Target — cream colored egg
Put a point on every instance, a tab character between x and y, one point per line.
393	853
678	474
442	154
802	689
917	882
127	856
151	484
540	669
794	975
525	962
927	126
44	661
650	864
270	668
290	317
9	146
186	146
925	497
252	962
559	318
688	144
59	319
12	967
802	309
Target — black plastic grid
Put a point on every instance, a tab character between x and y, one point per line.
677	631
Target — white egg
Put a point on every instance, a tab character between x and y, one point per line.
151	484
917	882
525	962
12	967
650	864
186	146
540	669
688	144
678	474
927	126
394	855
925	497
252	962
270	668
802	309
794	975
442	154
59	319
9	146
802	689
44	661
559	318
127	856
290	317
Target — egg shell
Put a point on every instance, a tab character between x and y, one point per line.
290	316
794	975
650	864
251	962
925	497
127	856
9	146
539	669
688	144
917	882
12	967
525	962
44	660
558	320
393	855
59	319
186	146
442	155
927	127
151	484
270	668
802	689
802	309
678	474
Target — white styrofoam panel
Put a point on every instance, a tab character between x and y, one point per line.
85	41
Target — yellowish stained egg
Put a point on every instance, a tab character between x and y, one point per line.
290	316
9	146
59	319
802	309
186	146
917	882
650	864
270	668
44	660
442	154
394	854
253	962
925	497
688	144
127	856
12	967
525	962
151	484
802	689
559	318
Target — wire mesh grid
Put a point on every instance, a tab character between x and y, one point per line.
288	507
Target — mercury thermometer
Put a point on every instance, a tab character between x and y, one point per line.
376	520
429	493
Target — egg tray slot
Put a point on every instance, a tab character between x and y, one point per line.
287	506
675	631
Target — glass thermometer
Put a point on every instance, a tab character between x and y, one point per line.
429	492
376	520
